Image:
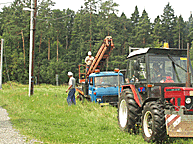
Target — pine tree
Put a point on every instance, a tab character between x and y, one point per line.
135	23
157	33
168	23
143	30
189	28
179	33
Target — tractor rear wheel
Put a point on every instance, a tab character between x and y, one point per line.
153	122
127	111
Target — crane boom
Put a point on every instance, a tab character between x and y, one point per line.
102	54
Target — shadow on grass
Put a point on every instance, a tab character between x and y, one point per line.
41	123
168	140
26	120
3	106
178	140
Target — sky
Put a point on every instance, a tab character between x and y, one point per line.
152	7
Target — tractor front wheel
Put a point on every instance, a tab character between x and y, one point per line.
153	122
127	111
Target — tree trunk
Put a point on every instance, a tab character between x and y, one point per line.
179	39
123	50
39	59
90	30
23	47
143	41
18	49
57	47
66	41
49	49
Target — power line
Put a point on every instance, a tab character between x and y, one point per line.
55	18
5	3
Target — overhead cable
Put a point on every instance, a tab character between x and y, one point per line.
55	18
5	3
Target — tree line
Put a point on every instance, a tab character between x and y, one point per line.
63	37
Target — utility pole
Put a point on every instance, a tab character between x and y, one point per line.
32	46
1	63
188	75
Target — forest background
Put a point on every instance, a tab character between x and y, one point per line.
63	37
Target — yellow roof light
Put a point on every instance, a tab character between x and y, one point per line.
166	45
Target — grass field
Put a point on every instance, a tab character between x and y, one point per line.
46	117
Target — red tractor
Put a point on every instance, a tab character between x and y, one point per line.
158	95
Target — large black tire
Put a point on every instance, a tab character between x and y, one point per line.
153	122
127	111
80	97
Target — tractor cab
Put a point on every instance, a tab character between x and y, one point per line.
152	69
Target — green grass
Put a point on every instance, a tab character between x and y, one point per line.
46	117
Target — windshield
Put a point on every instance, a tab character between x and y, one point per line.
167	69
108	80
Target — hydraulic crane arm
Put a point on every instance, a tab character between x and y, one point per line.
101	56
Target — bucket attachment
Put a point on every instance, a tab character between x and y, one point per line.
179	125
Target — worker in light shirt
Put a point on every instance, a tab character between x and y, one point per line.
88	60
71	87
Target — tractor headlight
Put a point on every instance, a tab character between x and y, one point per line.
188	100
98	99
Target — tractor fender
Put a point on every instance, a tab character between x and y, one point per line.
137	96
149	100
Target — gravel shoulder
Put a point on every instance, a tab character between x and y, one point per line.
8	135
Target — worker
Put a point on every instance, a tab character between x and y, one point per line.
156	73
88	60
71	87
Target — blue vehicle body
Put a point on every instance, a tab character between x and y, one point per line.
103	87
